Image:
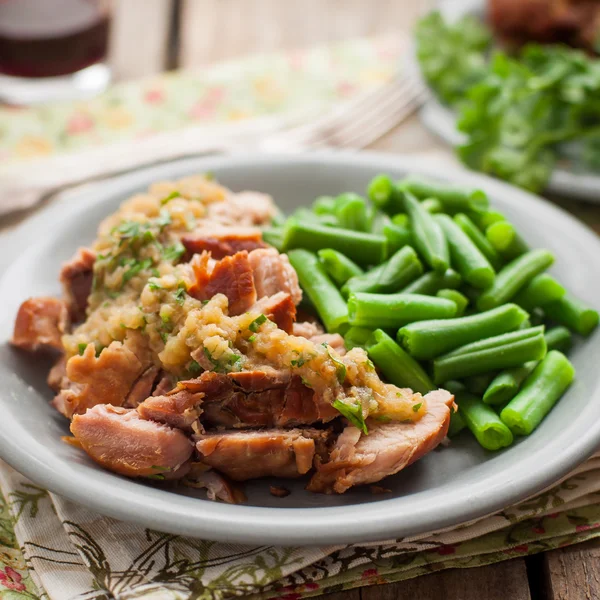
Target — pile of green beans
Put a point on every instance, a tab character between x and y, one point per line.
440	290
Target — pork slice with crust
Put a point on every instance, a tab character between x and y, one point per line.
244	455
231	276
279	308
76	277
121	441
358	459
40	324
104	379
259	398
273	273
222	241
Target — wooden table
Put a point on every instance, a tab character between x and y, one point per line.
184	33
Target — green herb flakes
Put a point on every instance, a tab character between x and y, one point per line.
352	412
170	197
174	253
254	326
417	407
81	348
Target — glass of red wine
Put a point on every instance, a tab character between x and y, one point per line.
53	49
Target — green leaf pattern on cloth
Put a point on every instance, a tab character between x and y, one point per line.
52	548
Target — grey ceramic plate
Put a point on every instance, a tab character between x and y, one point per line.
571	182
448	486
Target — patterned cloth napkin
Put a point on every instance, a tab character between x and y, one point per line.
52	548
183	113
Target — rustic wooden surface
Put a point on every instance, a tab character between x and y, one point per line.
149	36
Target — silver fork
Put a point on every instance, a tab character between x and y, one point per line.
357	123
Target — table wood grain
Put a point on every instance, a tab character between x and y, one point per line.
149	36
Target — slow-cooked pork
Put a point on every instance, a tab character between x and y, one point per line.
76	277
357	458
247	455
40	324
273	273
120	440
223	241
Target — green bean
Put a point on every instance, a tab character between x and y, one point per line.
324	205
507	383
384	195
504	238
466	257
432	205
362	248
457	365
478	384
432	282
390	276
321	291
540	392
454	199
378	221
427	339
339	267
479	239
514	277
498	341
357	337
352	212
484	423
391	311
573	313
541	290
484	218
457	424
401	219
459	299
397	366
308	216
278	219
559	338
273	236
428	237
397	237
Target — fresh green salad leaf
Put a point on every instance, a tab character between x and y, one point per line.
517	113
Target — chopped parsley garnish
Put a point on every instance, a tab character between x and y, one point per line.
81	348
158	476
160	468
298	362
306	382
416	407
135	268
179	294
370	364
383	419
257	323
205	302
155	286
170	197
163	219
166	319
174	253
352	412
340	367
252	338
164	336
194	367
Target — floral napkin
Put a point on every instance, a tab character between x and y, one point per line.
181	113
52	548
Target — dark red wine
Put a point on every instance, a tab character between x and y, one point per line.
37	43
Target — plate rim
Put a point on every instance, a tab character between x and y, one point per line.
301	526
438	119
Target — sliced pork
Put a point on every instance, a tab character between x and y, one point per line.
279	308
223	241
104	379
142	388
40	324
121	441
358	459
273	273
76	277
231	276
244	455
245	208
